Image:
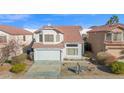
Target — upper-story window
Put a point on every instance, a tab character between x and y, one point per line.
40	37
3	39
24	38
117	36
49	38
57	38
108	36
114	36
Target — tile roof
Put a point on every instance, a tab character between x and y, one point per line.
71	33
14	31
106	28
41	45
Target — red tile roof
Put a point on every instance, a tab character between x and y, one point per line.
14	31
71	33
41	45
106	28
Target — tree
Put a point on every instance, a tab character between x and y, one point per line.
113	20
13	47
4	54
10	50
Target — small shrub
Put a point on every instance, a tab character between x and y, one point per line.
105	58
117	67
19	59
17	68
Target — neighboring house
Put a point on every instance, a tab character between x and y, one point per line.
58	43
108	38
9	33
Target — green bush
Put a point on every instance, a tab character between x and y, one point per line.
19	59
117	67
17	68
105	58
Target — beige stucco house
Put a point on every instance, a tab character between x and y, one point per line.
109	38
58	43
20	36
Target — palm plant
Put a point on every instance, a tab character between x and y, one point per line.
113	20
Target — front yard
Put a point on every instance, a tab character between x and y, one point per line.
5	69
100	72
40	69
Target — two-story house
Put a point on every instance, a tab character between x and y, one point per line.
19	35
108	38
58	43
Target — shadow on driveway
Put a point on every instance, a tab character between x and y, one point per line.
104	68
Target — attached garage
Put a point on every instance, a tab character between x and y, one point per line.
47	54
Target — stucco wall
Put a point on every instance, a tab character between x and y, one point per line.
116	52
97	41
29	39
5	34
19	38
36	37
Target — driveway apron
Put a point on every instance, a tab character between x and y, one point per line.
44	70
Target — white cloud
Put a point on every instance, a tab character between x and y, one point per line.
31	30
13	17
32	26
6	21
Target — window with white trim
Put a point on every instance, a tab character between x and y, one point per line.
72	51
40	37
57	38
49	38
117	37
108	36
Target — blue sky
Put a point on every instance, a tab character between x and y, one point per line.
34	21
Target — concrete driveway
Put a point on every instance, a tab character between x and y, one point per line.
44	70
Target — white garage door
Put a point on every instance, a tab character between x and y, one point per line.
47	55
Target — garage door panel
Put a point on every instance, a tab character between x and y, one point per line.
47	55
